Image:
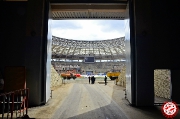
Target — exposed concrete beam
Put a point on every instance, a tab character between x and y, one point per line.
88	10
88	1
87	7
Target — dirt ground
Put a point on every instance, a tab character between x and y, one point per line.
47	110
60	103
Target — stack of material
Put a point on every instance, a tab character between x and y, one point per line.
56	79
122	77
162	83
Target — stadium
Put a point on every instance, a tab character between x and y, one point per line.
88	57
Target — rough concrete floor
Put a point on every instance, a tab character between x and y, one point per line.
77	99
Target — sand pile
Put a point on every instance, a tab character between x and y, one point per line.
122	77
56	79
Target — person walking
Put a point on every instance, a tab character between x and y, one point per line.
89	79
105	80
92	80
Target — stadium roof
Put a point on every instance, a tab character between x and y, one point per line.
78	49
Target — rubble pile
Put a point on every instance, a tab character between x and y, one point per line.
122	77
56	79
162	83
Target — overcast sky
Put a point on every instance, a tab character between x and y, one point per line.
88	29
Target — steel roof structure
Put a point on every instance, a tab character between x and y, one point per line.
110	49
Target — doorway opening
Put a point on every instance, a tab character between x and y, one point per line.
90	52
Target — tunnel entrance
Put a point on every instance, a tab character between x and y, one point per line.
108	54
104	60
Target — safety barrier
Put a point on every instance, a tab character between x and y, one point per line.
14	102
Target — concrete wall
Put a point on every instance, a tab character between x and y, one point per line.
12	34
23	42
156	47
166	41
143	53
175	76
38	46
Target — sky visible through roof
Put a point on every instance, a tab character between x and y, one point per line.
88	29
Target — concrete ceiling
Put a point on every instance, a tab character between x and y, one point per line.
88	11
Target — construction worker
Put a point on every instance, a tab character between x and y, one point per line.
105	80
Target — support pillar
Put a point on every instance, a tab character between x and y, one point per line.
36	29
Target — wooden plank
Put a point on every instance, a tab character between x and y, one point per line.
14	78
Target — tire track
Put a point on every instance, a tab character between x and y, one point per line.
70	105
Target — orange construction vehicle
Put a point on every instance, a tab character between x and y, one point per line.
70	74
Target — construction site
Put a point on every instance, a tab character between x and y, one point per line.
50	77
